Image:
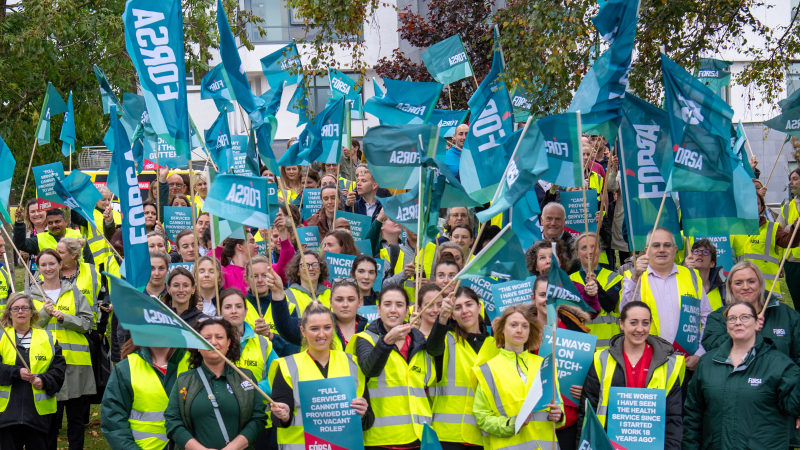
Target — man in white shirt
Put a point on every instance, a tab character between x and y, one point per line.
366	202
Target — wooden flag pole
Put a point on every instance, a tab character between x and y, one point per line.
27	269
5	258
158	191
14	344
194	212
250	262
647	244
70	158
27	174
795	227
555	375
603	205
770	172
450	96
296	235
338	193
211	251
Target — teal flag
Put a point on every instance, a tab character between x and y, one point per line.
343	85
216	86
328	128
299	152
251	158
240	199
218	142
234	67
447	121
562	291
53	105
562	148
7	165
645	146
79	194
135	114
159	61
378	91
107	95
593	435
116	141
266	112
522	100
700	126
67	136
404	102
150	322
279	66
447	60
502	258
712	73
526	165
787	122
430	441
599	96
394	155
525	219
265	135
739	151
299	103
790	102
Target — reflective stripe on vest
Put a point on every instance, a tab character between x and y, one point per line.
149	402
5	288
688	284
254	355
41	352
605	325
74	345
765	253
790	218
301	300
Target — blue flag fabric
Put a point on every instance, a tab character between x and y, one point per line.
52	105
7	165
430	441
502	258
343	85
278	64
216	86
79	193
328	127
218	142
700	126
447	60
240	199
394	156
116	141
447	120
299	103
301	150
483	158
739	152
67	136
161	68
107	95
562	149
378	91
271	103
134	115
265	134
561	291
404	102
229	52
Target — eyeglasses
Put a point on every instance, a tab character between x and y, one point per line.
175	184
459	216
744	318
314	265
20	308
701	252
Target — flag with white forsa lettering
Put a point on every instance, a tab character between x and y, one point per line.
154	40
240	199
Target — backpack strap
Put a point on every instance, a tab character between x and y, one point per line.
394	253
214	404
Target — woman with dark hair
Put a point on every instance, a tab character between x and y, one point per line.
211	405
301	287
538	256
234	261
789	215
179	200
459	340
443	273
30	379
339	241
321	360
703	258
264	322
365	271
310	181
505	379
391	354
636	359
182	296
323	219
743	393
490	233
427	292
35	223
184	242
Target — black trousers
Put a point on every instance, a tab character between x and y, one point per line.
568	437
17	437
76	414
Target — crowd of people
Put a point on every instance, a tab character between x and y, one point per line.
431	356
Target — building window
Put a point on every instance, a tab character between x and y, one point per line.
190	78
280	23
319	90
793	79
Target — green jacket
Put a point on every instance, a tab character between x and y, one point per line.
742	408
189	396
781	326
118	399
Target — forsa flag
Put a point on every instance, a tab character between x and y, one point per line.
240	199
447	60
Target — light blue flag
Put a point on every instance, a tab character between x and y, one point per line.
599	96
299	103
53	105
404	102
394	156
161	68
79	193
116	141
229	52
483	158
7	165
67	136
265	135
329	129
106	93
525	219
279	65
738	150
240	199
447	60
271	104
563	149
134	115
218	142
378	91
343	85
447	120
298	153
502	258
216	86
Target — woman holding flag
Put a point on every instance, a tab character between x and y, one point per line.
743	393
636	359
293	181
503	382
324	217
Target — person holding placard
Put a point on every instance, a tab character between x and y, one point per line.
151	222
310	181
504	381
32	371
179	200
459	339
637	359
744	392
211	405
427	292
703	258
300	286
403	272
234	260
320	361
600	290
392	355
365	271
324	218
339	241
185	243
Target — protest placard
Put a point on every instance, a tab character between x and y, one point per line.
44	176
364	246
574	357
369	312
329	422
483	287
177	219
310	237
359	223
636	417
572	201
239	152
687	339
508	294
312	202
724	251
186	265
339	267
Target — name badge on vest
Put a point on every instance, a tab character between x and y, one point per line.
687	339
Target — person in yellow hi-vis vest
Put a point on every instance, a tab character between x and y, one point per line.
636	359
765	249
34	376
104	217
789	215
56	229
703	258
503	382
66	312
391	354
137	393
318	362
661	284
404	271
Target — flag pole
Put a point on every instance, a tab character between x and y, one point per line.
13	344
27	269
554	321
158	182
627	203
296	235
5	258
770	172
450	96
647	243
27	174
70	158
603	205
418	256
250	263
211	250
336	202
194	209
583	187
796	226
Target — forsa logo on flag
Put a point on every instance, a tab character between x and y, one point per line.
708	74
157	55
457	58
244	195
330	130
340	85
216	85
688	158
648	176
690	112
411	109
521	102
223	141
